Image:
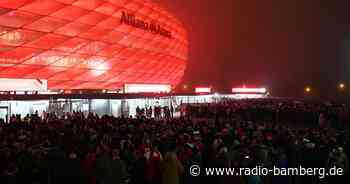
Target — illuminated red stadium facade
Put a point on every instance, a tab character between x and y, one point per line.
91	44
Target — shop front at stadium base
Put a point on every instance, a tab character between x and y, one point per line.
115	107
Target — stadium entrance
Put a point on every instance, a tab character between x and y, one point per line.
4	114
116	104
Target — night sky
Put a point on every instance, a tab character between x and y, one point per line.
281	44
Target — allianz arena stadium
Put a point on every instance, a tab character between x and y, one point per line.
90	44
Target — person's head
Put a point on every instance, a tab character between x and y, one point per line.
72	156
222	149
338	151
115	153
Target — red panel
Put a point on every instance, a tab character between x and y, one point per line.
71	71
118	2
112	50
72	61
4	10
90	4
19	37
140	33
64	84
43	72
128	41
106	8
92	18
18	55
4	30
46	42
70	13
145	10
13	3
46	24
92	48
112	37
48	71
94	33
66	1
109	23
5	48
46	58
72	45
133	6
17	19
89	75
81	44
23	70
124	29
42	7
72	29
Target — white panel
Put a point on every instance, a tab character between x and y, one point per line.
249	90
147	88
100	106
28	107
203	90
23	84
116	108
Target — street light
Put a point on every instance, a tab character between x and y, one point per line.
307	89
342	86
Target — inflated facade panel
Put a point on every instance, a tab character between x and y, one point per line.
91	44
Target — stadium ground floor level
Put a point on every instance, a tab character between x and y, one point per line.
116	105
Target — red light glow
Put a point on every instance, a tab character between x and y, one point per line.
83	44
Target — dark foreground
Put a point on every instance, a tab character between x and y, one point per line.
109	150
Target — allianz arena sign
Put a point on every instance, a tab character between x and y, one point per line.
153	26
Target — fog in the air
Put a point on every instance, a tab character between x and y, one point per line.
283	45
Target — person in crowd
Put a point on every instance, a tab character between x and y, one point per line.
104	149
172	169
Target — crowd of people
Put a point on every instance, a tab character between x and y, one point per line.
157	112
144	150
311	113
